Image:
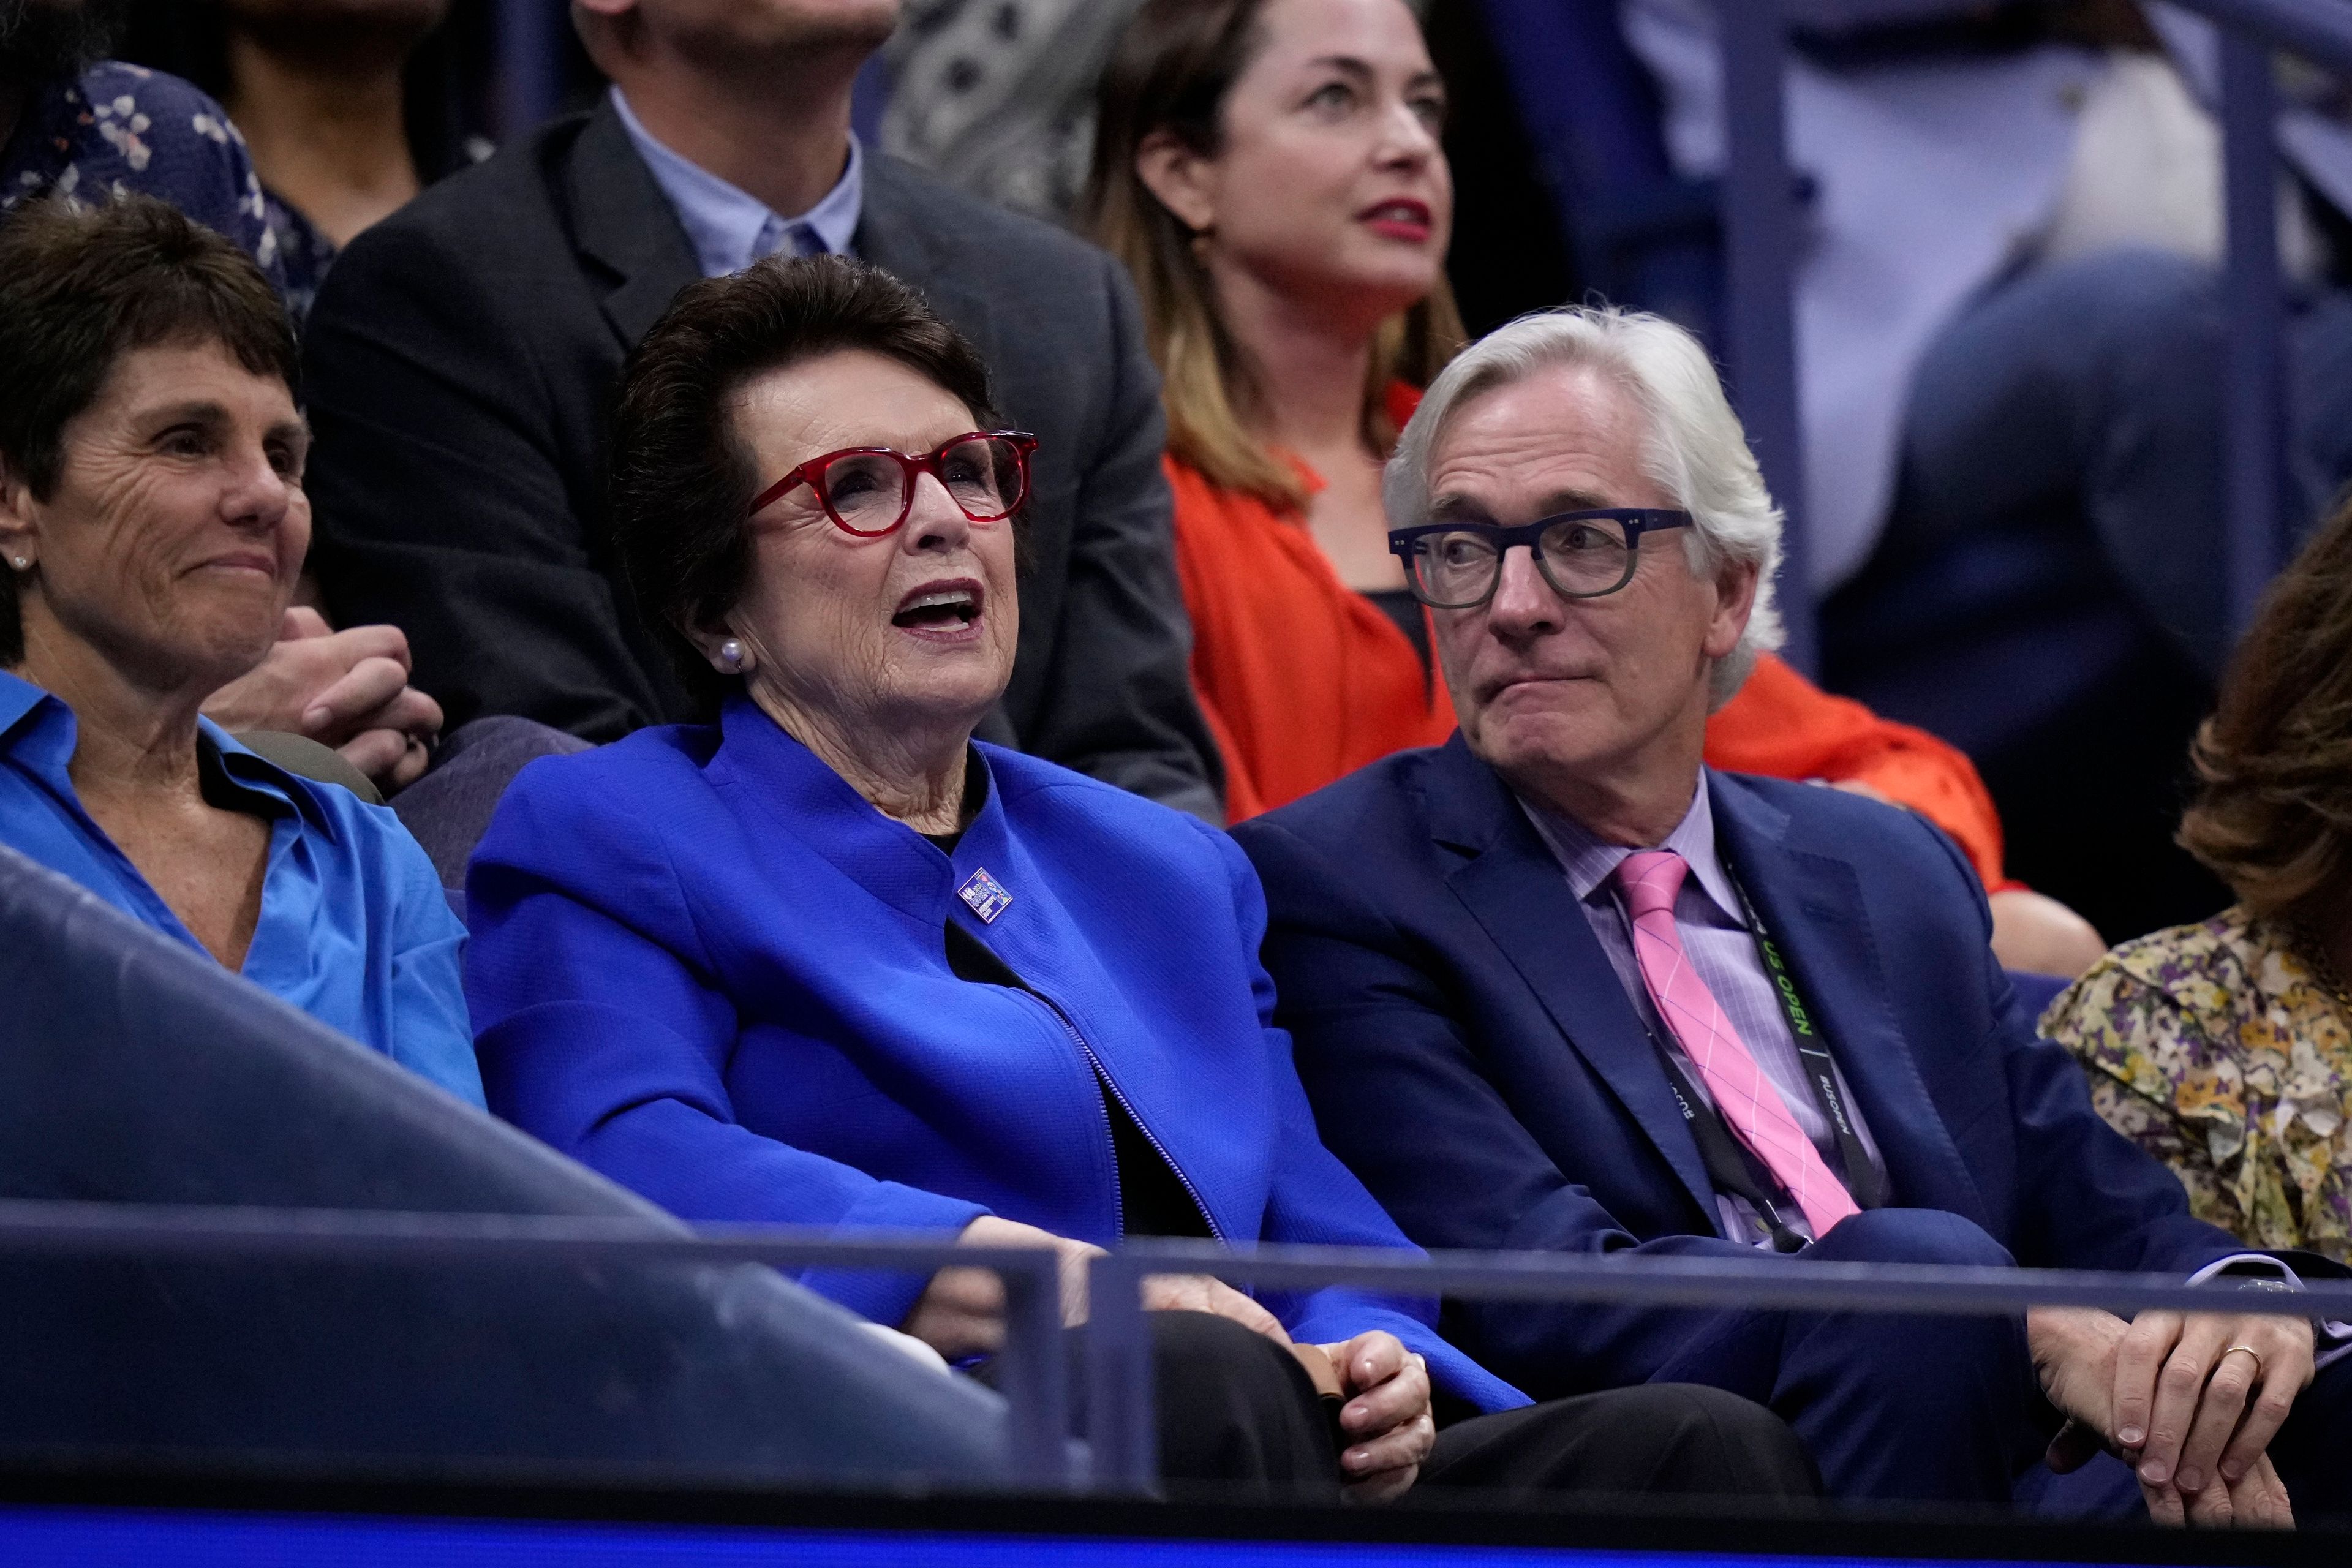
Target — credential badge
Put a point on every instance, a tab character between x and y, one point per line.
986	896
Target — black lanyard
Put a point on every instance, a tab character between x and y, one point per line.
1863	1180
1731	1165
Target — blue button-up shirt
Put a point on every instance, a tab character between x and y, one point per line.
730	227
354	928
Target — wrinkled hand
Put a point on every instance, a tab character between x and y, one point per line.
2188	1407
1200	1293
962	1311
346	689
2036	933
2163	1375
2256	1501
1387	1418
2074	1352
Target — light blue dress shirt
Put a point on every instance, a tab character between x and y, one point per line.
728	227
354	928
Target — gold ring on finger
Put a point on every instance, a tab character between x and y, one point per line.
2246	1350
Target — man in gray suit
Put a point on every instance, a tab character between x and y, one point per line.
462	353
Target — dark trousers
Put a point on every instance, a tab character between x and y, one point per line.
1895	1408
1662	1439
449	809
2312	1452
1237	1411
1905	1408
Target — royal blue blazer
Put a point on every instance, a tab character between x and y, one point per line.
1471	1053
707	967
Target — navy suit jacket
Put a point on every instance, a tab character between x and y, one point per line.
705	966
1472	1055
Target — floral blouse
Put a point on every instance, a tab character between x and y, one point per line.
2214	1048
123	128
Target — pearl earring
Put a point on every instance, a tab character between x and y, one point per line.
731	657
23	562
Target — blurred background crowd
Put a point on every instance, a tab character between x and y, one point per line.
2008	332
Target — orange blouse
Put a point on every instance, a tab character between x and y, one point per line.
1304	680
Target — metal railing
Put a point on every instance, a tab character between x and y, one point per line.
1122	1417
1760	237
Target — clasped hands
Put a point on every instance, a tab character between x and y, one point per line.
1387	1417
2190	1400
345	690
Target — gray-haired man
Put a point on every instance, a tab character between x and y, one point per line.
1556	985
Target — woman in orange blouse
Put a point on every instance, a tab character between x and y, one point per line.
1271	173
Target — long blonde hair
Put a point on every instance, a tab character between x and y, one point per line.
1173	70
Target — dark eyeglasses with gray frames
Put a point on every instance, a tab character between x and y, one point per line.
1582	554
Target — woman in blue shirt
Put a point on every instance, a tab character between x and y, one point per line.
828	960
151	526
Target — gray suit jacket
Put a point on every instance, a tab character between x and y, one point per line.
460	363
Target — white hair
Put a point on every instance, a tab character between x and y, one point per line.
1695	451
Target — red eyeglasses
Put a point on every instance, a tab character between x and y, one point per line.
868	490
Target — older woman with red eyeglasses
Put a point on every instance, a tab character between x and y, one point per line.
830	960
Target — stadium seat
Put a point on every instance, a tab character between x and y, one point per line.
133	1071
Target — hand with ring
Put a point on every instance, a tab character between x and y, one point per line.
2202	1394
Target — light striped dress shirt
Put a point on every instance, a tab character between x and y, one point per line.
728	227
1714	933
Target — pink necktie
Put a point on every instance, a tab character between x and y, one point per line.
1650	879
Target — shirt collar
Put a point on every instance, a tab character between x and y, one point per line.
41	724
21	710
730	227
1591	861
249	773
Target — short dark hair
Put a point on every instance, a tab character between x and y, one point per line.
82	287
683	479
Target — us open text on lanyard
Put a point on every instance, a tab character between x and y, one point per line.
1731	1165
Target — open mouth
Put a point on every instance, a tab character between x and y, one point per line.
1401	218
948	607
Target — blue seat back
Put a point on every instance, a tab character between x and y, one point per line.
131	1069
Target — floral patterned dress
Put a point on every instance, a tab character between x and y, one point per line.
2216	1048
124	128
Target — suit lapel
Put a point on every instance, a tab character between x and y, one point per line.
1812	900
622	221
894	233
1515	888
